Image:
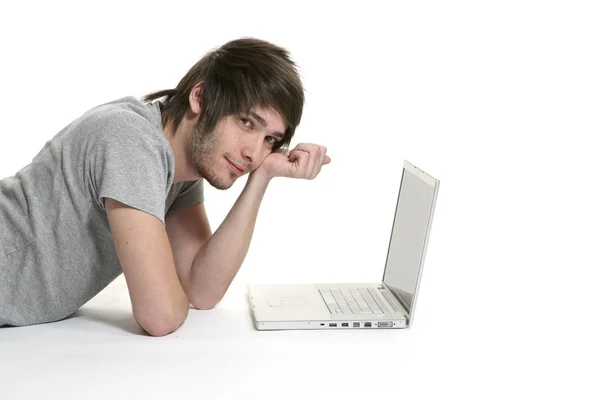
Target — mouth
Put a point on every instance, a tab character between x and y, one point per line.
235	168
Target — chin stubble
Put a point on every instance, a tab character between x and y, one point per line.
199	149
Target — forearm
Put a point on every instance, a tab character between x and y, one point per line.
217	262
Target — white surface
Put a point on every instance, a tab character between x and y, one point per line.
498	100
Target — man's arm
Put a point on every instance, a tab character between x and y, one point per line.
207	264
159	302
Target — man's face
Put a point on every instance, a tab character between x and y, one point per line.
239	144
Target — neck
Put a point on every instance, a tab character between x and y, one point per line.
177	140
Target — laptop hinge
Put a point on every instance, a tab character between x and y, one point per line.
398	299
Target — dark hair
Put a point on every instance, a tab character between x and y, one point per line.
237	76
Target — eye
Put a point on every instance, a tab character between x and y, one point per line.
246	122
271	140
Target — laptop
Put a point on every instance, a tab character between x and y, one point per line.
389	304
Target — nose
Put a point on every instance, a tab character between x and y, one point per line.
251	148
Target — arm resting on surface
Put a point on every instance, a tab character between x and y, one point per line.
159	302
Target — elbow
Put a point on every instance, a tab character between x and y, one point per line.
159	328
205	302
162	324
204	306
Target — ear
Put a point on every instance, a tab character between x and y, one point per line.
195	98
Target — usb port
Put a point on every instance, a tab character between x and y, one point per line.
367	324
333	324
356	324
344	324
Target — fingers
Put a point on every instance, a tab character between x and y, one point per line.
301	160
308	159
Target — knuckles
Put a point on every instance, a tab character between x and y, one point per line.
316	147
316	153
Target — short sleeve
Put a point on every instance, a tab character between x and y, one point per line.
192	193
132	165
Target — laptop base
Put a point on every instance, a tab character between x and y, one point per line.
302	307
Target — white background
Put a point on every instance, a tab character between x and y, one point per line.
498	100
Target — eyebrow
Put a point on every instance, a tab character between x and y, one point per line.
264	123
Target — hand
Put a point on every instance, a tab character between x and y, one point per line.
303	162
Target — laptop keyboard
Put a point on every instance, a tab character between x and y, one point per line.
351	301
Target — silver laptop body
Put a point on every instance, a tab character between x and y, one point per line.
388	304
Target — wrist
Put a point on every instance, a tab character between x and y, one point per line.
260	175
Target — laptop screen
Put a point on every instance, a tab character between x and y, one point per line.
410	231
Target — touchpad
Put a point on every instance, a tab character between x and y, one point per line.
286	301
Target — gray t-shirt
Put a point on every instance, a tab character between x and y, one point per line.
56	248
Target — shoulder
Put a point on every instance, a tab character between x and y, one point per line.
126	123
127	114
125	132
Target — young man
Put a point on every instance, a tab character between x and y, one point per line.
120	189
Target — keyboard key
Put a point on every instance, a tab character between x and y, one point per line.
366	295
377	300
352	301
